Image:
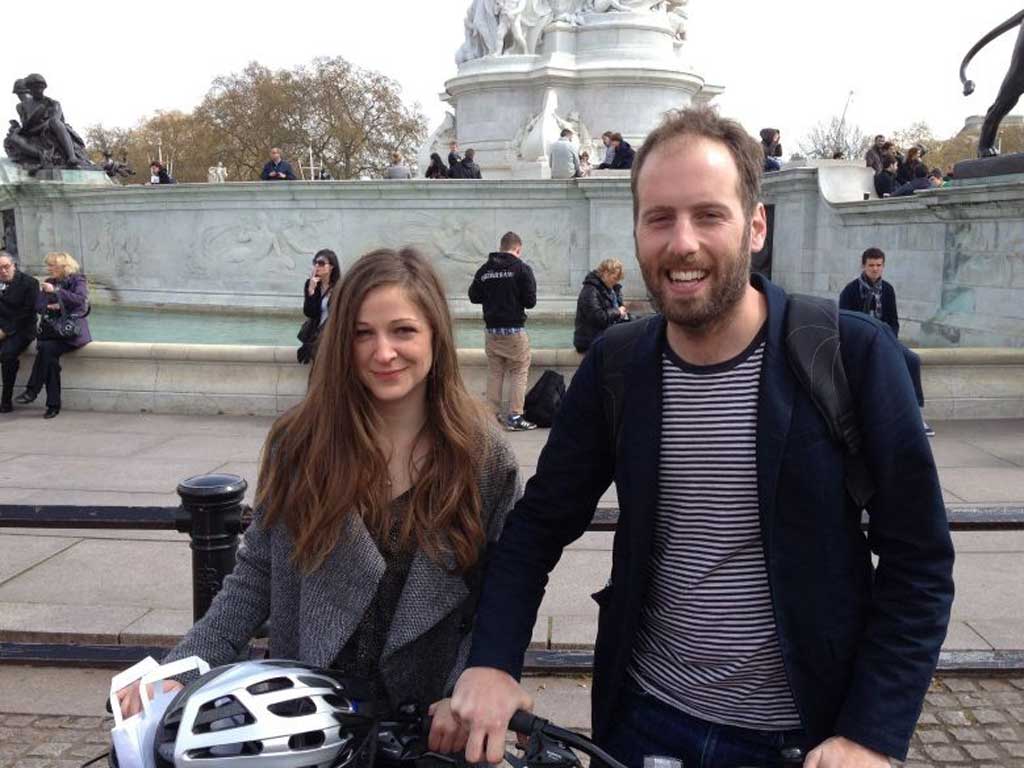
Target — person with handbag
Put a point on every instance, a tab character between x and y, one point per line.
63	304
379	495
317	301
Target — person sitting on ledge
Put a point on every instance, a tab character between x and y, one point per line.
159	175
62	296
885	179
378	495
277	169
622	160
18	293
923	179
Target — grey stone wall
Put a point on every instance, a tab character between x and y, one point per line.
955	255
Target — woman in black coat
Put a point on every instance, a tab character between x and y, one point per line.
599	305
437	169
317	301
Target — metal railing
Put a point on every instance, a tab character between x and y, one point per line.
213	514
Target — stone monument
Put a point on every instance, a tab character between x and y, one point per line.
527	66
40	139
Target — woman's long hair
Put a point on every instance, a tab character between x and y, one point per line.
322	461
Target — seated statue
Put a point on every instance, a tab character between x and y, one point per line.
41	138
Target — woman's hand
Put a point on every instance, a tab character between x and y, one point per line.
131	701
46	287
312	285
447	735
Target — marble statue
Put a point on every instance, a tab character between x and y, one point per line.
1009	92
516	27
217	174
41	138
533	141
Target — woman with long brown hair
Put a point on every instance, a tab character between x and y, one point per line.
378	494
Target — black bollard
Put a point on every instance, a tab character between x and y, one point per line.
211	510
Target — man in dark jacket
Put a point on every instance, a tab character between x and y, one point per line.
470	170
599	305
874	296
885	179
624	154
18	292
506	287
454	158
743	617
277	169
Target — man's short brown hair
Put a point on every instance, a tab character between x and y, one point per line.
509	241
706	123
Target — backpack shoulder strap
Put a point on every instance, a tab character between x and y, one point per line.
813	348
618	347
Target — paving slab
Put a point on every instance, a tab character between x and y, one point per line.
76	473
979	485
577	576
65	623
988	586
19	554
950	452
1009	448
137	573
1003	634
157	627
961	637
112	445
212	448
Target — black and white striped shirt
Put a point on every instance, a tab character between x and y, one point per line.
707	643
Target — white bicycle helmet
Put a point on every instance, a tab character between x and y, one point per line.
261	714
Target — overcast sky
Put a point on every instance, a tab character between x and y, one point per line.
786	64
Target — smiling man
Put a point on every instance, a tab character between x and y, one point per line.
743	623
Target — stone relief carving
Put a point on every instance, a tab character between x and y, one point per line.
516	27
115	243
266	240
461	242
534	139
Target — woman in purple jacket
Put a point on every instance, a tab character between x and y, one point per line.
64	288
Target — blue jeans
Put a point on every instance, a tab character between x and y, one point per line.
644	726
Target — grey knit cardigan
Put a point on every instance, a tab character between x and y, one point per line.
313	616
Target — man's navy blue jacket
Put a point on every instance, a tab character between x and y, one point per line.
859	646
281	167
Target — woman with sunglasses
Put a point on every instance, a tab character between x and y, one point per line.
317	303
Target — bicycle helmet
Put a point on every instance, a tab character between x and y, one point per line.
262	714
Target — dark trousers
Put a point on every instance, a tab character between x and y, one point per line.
10	350
914	368
644	726
47	370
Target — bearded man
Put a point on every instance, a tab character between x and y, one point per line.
744	622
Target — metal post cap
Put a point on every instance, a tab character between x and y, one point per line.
210	487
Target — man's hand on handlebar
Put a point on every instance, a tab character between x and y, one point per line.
484	701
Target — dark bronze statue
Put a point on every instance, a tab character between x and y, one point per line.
1010	91
116	169
40	138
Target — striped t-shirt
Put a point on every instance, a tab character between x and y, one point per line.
707	643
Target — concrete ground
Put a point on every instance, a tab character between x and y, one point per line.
52	718
134	587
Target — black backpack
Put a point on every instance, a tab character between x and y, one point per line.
812	346
544	399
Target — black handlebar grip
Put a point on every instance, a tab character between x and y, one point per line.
525	723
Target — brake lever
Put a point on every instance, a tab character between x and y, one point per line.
543	751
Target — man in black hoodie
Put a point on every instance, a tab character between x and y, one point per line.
506	288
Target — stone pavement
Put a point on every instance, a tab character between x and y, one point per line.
134	587
967	721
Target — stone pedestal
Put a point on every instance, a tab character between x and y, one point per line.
613	72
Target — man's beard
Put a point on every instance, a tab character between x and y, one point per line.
729	280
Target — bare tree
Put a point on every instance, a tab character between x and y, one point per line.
837	137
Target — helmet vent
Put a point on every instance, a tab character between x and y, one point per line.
226	750
269	686
294	707
222	714
308	740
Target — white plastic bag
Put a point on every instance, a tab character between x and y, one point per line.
132	738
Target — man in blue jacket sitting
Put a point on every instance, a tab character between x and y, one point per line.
743	622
